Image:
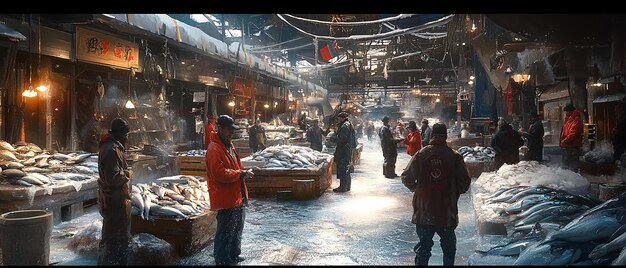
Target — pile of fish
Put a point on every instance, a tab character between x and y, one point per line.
28	165
193	153
571	232
602	154
289	156
477	153
177	197
277	135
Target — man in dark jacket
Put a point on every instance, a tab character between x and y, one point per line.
257	138
228	192
534	137
506	143
425	132
571	137
437	176
345	139
389	145
315	135
114	195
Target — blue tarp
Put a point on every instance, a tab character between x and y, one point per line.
484	93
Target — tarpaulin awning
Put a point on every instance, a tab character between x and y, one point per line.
10	33
558	91
621	97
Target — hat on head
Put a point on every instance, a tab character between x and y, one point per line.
226	121
342	115
120	126
424	121
569	107
439	129
533	114
412	125
386	119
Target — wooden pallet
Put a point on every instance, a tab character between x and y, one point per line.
267	182
187	236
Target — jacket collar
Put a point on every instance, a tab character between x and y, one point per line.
216	138
438	140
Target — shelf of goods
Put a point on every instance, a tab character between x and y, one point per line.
270	182
178	212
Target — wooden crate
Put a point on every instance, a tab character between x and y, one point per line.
597	168
191	165
474	169
187	236
267	182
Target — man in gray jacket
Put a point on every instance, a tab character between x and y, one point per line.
425	131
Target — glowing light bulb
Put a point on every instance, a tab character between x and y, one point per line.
129	105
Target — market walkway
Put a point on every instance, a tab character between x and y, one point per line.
370	225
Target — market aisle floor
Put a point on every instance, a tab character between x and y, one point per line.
370	225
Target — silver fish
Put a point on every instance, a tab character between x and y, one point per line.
621	259
166	211
549	253
6	146
603	249
595	228
13	173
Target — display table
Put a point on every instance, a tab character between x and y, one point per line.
65	201
268	181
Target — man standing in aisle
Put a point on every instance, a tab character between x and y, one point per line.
256	137
114	195
413	140
228	192
315	135
389	145
425	132
437	176
346	142
506	142
210	127
571	137
534	137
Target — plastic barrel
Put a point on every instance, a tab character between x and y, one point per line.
25	237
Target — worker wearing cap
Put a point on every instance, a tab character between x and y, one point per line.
114	195
413	140
228	192
534	136
345	139
571	137
437	175
389	145
210	127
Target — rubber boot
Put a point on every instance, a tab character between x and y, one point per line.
342	186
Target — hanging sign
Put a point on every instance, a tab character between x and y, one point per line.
106	49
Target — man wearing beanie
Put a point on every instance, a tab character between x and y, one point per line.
571	137
389	145
437	176
113	195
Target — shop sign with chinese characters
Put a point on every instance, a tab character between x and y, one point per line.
102	48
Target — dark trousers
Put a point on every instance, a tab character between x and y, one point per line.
228	235
425	234
113	247
570	158
343	174
389	166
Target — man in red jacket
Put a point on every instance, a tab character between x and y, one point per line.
210	127
413	140
571	137
228	192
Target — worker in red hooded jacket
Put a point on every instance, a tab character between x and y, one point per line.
571	137
413	140
228	192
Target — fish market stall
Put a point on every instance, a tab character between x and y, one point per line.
278	169
32	178
499	196
175	209
478	159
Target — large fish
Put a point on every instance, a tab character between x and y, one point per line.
542	214
7	155
603	249
166	211
549	253
13	173
525	202
540	206
43	178
11	164
137	201
6	146
618	202
511	249
594	228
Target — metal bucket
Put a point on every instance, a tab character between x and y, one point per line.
25	237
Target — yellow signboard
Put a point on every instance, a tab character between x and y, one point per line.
106	49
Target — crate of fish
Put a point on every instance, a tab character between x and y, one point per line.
175	209
284	164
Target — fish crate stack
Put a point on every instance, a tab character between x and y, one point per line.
178	212
477	159
276	173
191	163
